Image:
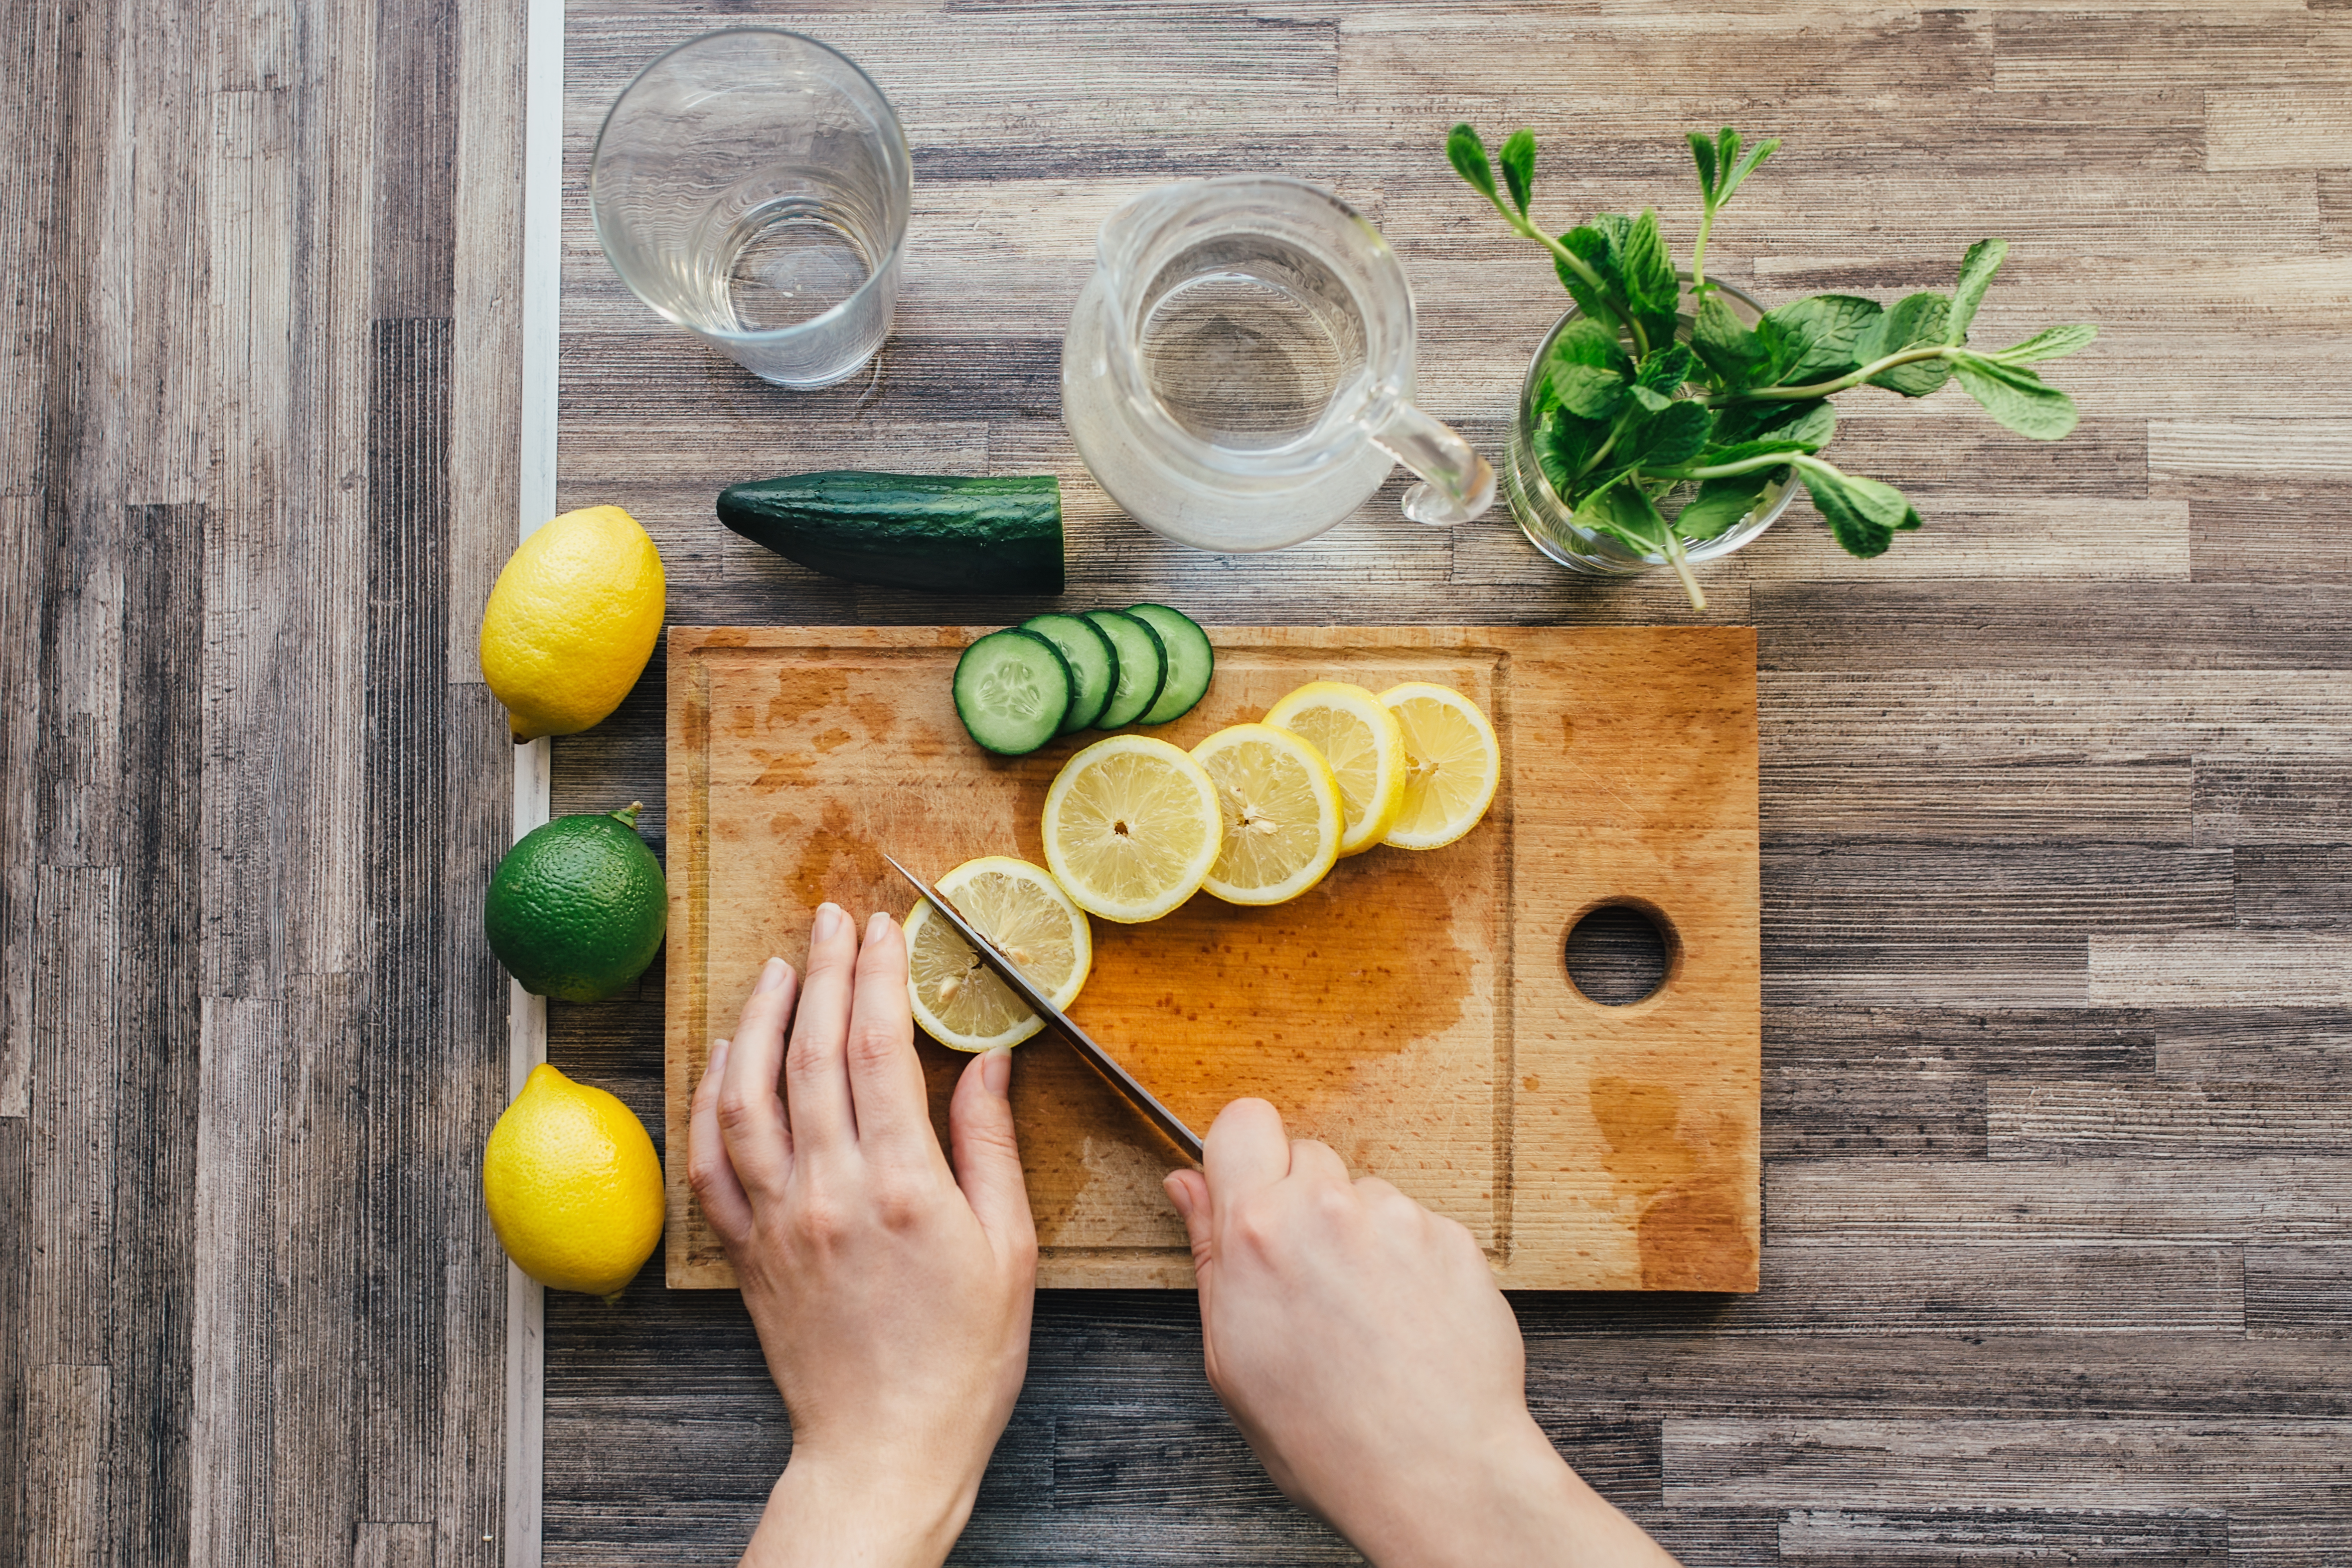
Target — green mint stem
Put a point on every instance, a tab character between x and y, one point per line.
1601	451
1831	388
1681	563
1575	264
1699	252
1725	470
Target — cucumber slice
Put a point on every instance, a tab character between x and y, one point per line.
1191	661
1012	690
1142	667
1094	664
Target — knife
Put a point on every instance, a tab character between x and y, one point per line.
996	964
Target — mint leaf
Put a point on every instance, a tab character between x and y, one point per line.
1702	155
2016	396
1862	514
1586	390
1720	503
1625	513
1651	398
1910	323
2050	342
1746	166
1542	401
1977	268
1647	270
1821	332
1591	246
1914	323
1667	368
1916	379
1632	259
1729	349
1468	156
1811	424
1675	433
1586	341
1519	168
1563	443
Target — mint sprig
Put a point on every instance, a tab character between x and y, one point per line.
1660	387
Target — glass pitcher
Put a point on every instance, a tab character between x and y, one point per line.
1238	374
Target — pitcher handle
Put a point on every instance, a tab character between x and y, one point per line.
1457	484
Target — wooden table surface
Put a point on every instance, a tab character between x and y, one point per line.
2057	941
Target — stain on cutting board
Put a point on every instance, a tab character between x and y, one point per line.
1412	1012
1691	1229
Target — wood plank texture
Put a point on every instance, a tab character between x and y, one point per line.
2052	794
2055	935
1586	1147
250	1035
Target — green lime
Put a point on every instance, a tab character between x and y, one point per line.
577	910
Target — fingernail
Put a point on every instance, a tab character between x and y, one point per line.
996	1072
717	1054
1181	1196
772	974
876	926
828	923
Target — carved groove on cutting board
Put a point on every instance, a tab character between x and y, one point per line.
1413	1011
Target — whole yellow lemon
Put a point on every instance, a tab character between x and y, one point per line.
572	1184
572	620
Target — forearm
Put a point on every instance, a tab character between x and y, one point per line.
821	1517
1521	1505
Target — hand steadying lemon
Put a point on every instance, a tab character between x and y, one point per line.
573	621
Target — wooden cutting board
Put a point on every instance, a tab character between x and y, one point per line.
1415	1011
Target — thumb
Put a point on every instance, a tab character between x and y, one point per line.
987	1154
1189	1191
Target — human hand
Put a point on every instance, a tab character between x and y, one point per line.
891	1297
1359	1343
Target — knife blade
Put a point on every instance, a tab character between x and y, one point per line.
1003	968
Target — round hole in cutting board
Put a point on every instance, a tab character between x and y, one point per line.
1619	954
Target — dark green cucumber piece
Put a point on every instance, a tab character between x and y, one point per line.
1012	690
1142	666
933	531
1191	661
1094	664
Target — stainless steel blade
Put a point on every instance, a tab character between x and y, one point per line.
1003	968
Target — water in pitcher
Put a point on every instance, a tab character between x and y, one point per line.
1238	372
1252	344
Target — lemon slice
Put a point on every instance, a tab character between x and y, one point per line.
1454	764
1130	828
1359	738
1280	811
1018	907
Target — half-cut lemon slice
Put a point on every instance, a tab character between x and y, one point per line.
1130	828
1280	810
1025	912
1359	738
1453	764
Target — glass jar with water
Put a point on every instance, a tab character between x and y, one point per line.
1238	374
753	185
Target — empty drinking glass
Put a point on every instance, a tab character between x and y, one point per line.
753	185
